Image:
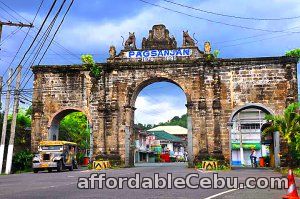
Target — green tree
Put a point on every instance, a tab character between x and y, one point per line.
175	121
88	62
294	53
288	125
23	130
74	128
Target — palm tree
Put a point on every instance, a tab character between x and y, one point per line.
288	126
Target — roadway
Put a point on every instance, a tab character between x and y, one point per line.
64	184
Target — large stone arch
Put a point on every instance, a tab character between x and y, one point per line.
152	80
131	114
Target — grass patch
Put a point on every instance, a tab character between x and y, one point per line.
284	171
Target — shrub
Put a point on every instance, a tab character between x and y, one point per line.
80	157
22	161
88	62
294	53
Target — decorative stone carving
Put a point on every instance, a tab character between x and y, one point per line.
159	38
207	47
188	41
130	43
112	52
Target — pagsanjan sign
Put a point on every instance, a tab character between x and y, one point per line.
159	53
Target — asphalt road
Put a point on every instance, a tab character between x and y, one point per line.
64	184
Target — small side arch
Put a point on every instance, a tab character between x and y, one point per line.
247	106
53	124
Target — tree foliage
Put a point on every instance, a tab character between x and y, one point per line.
175	121
88	61
288	125
294	53
74	128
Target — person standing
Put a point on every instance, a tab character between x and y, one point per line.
253	158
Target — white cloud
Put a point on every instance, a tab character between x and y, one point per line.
162	109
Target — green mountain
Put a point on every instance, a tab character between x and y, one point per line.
175	121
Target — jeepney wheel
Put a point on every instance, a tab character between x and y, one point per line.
35	170
59	166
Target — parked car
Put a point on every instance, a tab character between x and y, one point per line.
55	155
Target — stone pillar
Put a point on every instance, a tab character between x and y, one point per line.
216	106
127	146
190	141
35	131
203	152
128	142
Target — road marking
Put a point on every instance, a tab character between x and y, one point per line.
218	194
70	176
85	171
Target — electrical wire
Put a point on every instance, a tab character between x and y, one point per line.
55	42
10	35
36	36
217	22
52	39
35	16
42	41
232	16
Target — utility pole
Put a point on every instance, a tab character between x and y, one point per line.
13	123
9	23
4	126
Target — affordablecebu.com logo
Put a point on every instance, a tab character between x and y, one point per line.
191	181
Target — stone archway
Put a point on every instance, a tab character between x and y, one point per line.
240	124
213	87
129	130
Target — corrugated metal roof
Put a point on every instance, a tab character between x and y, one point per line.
162	135
174	130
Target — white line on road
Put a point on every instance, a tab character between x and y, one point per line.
213	196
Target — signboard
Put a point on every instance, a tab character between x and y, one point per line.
147	55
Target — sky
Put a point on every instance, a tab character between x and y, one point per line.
92	27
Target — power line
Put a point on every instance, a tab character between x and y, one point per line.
232	16
55	42
36	36
57	30
43	39
59	26
217	22
243	43
10	35
23	39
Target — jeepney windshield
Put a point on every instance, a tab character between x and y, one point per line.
51	148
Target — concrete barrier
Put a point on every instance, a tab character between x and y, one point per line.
99	165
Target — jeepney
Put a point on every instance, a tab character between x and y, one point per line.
55	155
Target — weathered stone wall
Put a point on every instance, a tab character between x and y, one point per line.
214	89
